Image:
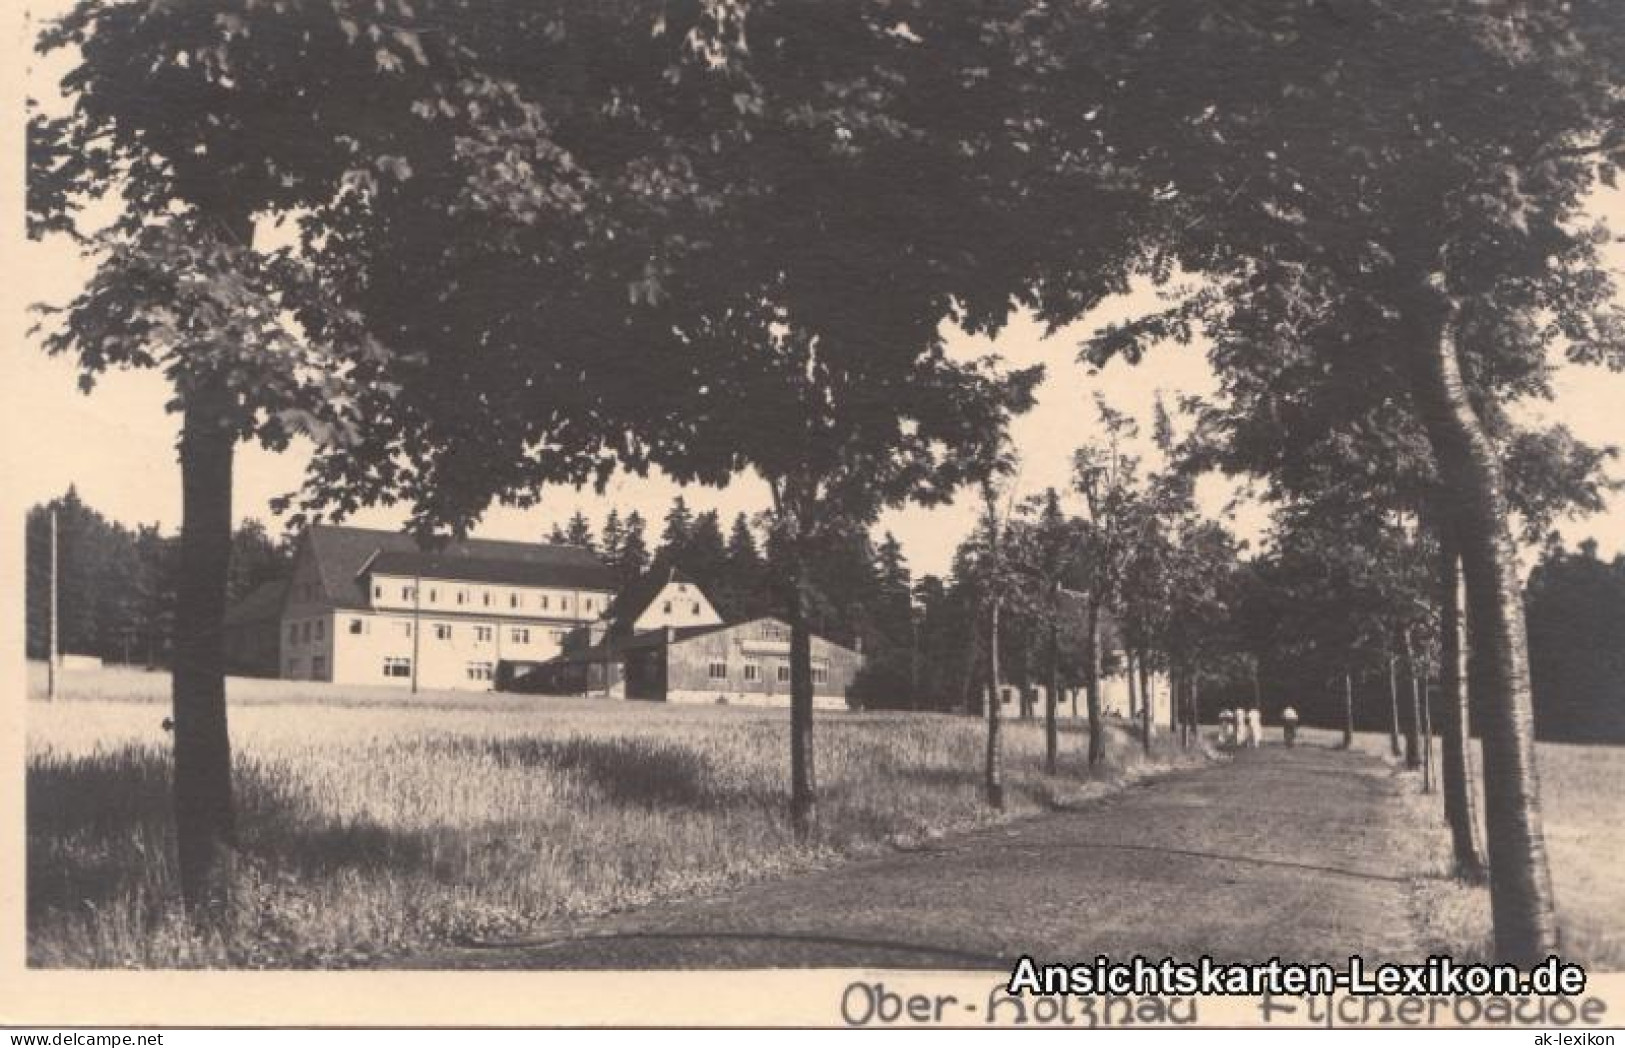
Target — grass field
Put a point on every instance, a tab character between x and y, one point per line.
373	823
1583	804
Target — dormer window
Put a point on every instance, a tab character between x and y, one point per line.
666	609
377	592
696	607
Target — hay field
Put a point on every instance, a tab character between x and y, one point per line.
373	823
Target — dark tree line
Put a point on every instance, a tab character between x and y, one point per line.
116	586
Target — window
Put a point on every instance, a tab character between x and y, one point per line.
482	633
513	600
558	636
719	671
462	596
406	628
519	635
1007	695
395	666
357	626
784	673
434	595
753	672
589	605
773	631
696	607
479	671
304	631
293	633
544	602
377	592
318	668
820	674
409	592
667	608
564	603
442	631
486	599
321	628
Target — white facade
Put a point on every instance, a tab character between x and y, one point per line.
678	603
442	632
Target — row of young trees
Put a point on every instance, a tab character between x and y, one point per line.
543	241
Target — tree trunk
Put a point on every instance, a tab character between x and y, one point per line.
1348	710
1413	753
995	753
1174	684
1052	734
1133	697
1393	702
1091	681
1145	700
202	777
1455	769
1427	732
1521	897
803	781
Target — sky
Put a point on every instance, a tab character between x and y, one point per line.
117	444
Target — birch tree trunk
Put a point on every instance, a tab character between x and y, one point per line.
1091	679
1454	766
1521	896
995	753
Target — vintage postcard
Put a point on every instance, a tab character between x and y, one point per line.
855	513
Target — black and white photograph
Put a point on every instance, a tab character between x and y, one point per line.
952	501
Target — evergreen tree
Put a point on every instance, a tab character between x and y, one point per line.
675	535
579	532
634	558
614	536
706	555
557	537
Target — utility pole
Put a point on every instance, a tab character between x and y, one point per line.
52	659
417	627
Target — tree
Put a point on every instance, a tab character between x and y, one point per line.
183	116
1576	605
634	558
1105	475
1410	202
579	532
614	537
674	536
1054	545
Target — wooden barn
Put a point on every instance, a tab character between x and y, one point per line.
741	663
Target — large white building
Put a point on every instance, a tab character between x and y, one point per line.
368	607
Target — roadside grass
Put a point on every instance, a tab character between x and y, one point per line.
1583	807
373	824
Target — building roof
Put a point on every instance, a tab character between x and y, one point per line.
633	601
262	602
612	646
344	554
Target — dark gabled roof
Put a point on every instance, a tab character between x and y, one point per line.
342	553
636	598
262	602
564	572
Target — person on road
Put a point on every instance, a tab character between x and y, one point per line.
1289	725
1252	727
1227	727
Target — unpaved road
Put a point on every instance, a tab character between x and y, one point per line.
1278	853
